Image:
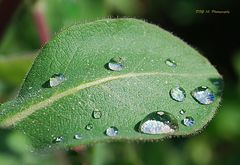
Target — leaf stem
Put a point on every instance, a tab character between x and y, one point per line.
41	23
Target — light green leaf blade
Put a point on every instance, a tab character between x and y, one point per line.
124	97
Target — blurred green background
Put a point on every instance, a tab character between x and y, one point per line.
25	25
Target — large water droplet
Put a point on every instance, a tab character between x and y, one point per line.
170	63
56	79
158	123
58	139
203	95
96	114
178	94
111	131
77	136
89	126
116	64
188	121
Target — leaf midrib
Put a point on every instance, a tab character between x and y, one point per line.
19	116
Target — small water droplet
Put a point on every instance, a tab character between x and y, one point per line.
170	63
188	121
77	137
116	64
158	123
111	131
89	127
178	94
203	95
58	139
56	79
96	114
182	111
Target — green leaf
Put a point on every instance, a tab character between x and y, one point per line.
81	53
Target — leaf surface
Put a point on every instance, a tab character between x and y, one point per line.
82	53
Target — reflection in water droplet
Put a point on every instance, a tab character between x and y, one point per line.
188	121
178	94
89	126
96	114
56	79
58	139
203	95
170	63
77	137
182	111
116	64
158	123
111	131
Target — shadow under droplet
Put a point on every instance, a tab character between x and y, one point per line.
46	84
106	67
136	127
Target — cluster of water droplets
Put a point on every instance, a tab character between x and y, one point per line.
61	138
164	122
159	122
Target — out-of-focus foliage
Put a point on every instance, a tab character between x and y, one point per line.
236	63
14	68
22	34
12	72
14	148
72	11
126	7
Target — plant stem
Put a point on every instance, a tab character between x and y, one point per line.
41	23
